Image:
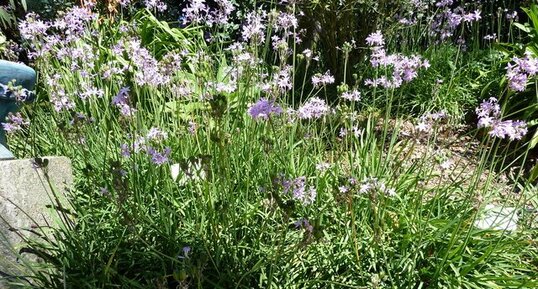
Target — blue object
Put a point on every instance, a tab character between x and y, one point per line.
18	75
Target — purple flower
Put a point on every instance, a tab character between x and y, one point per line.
186	250
371	185
404	68
193	127
15	122
488	107
322	79
156	134
314	108
286	22
220	16
104	191
520	71
155	4
125	150
92	92
74	22
159	158
514	130
254	28
121	100
148	70
353	95
62	103
375	39
263	109
122	96
489	117
195	12
444	3
298	189
32	27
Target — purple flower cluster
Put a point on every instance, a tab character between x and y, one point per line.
155	4
74	21
148	70
155	133
375	39
353	95
32	28
427	121
367	186
520	71
263	109
15	122
489	113
121	100
372	185
159	158
279	83
198	13
254	27
298	189
92	92
143	144
17	93
61	101
322	79
447	18
286	22
357	132
193	127
446	22
404	68
314	108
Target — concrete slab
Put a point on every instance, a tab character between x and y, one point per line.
25	192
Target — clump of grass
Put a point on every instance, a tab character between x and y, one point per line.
195	167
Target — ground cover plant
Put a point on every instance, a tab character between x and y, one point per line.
217	152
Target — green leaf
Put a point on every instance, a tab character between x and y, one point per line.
522	27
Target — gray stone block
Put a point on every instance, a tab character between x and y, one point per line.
25	192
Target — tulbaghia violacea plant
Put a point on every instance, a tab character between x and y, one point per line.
353	95
263	109
489	113
121	100
61	101
373	185
198	13
280	82
155	5
445	23
154	137
33	27
286	23
148	68
254	28
313	108
520	70
428	121
446	19
369	186
319	80
404	68
298	189
14	123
